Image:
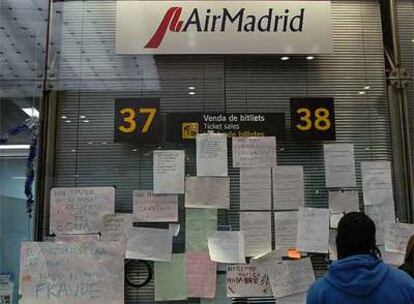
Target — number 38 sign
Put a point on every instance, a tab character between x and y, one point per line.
137	120
313	118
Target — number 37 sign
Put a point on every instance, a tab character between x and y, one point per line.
137	120
313	118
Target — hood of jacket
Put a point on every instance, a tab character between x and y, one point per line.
357	275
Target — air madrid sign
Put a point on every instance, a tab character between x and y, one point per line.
223	27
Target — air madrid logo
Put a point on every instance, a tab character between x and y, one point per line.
226	20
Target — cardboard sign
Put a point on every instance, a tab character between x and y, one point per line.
71	273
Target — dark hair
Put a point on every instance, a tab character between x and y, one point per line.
356	235
409	255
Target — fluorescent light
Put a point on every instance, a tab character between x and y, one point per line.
191	88
367	87
361	93
310	58
82	117
191	93
14	147
63	117
86	121
32	112
284	58
68	121
412	40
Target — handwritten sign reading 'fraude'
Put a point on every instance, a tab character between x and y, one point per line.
70	273
79	210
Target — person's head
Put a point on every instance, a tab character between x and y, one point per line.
409	254
356	235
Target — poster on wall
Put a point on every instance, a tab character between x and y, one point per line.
169	171
79	210
70	273
150	207
211	154
6	288
247	281
223	27
186	126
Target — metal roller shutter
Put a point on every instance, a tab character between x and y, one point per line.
89	77
405	11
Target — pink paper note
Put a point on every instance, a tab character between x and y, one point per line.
201	275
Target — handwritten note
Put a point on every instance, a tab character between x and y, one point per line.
227	247
334	219
291	277
257	229
115	227
6	288
286	226
343	201
169	166
68	273
255	189
377	182
170	279
199	223
397	236
79	210
149	244
339	165
288	187
381	214
201	275
247	281
254	152
77	238
211	154
207	192
221	292
313	230
150	207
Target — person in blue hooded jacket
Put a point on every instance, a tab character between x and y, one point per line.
360	276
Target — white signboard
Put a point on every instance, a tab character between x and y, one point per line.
247	281
150	207
70	273
79	210
257	229
291	277
169	167
313	230
207	192
211	154
397	236
288	189
223	27
377	182
255	189
114	227
149	244
339	165
254	152
226	247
